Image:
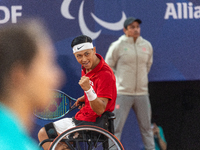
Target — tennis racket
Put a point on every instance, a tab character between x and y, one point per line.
60	105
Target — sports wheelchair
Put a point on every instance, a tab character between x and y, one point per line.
97	135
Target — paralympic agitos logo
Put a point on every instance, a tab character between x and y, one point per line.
84	29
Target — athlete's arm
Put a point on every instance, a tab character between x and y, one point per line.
98	104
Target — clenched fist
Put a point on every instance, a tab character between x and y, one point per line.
84	83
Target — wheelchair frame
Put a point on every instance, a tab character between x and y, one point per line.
97	135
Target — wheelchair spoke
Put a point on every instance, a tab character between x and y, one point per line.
96	139
68	144
78	146
88	137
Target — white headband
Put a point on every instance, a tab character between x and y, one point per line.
82	46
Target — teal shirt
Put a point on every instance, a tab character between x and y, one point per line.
12	134
162	137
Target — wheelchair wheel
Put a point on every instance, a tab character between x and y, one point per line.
86	137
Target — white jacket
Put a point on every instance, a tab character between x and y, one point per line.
131	63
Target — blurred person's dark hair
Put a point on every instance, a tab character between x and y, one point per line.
18	46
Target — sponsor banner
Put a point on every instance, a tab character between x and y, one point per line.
171	27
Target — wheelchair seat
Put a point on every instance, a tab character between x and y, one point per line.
106	121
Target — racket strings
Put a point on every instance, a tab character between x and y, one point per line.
59	105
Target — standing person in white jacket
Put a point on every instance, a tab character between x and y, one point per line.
131	58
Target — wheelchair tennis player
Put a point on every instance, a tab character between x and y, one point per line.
99	86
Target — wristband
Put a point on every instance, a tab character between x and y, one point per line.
91	95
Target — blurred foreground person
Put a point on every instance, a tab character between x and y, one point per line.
28	72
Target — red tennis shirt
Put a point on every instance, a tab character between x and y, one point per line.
102	79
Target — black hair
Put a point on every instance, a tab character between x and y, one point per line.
19	45
80	39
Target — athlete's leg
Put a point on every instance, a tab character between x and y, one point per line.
142	110
59	127
42	135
